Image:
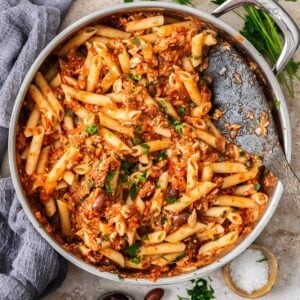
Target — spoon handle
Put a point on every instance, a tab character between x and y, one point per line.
280	167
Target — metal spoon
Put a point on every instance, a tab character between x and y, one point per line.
238	94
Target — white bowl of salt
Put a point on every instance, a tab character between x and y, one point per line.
253	273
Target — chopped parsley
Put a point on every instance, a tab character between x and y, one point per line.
163	220
138	129
171	199
69	113
257	186
147	147
261	260
277	104
136	41
200	291
136	140
89	182
242	154
91	130
178	127
136	260
179	257
163	105
182	110
134	189
128	167
136	77
109	188
161	156
119	276
133	249
110	175
142	178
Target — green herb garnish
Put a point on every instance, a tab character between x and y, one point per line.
136	140
136	260
161	156
163	220
171	200
257	186
69	113
91	130
182	110
109	188
147	147
242	154
134	190
261	260
136	41
142	178
277	104
200	291
178	127
179	257
132	250
136	77
110	175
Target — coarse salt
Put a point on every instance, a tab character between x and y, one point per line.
250	270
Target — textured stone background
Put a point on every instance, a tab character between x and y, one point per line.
282	235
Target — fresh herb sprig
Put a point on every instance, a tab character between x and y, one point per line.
200	291
265	35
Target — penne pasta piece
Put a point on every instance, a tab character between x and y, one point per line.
234	217
226	240
114	141
52	72
167	108
113	255
140	265
239	178
209	233
149	38
166	259
110	32
123	114
235	201
68	123
151	146
155	237
207	172
77	40
184	232
201	190
158	198
100	39
124	61
229	167
64	217
187	64
93	75
192	171
69	177
59	168
197	49
55	82
244	190
43	160
50	207
162	131
32	122
42	104
86	97
111	76
82	168
217	211
211	140
167	30
84	72
49	95
25	152
145	23
34	150
191	86
162	248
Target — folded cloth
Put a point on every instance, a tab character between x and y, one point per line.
29	267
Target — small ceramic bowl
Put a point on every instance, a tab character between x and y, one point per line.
273	275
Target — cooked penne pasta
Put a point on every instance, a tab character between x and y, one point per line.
201	189
64	217
32	122
34	150
111	32
229	167
49	95
43	160
50	207
167	30
143	24
162	248
77	40
113	255
239	178
184	232
166	259
86	97
94	72
155	237
122	114
235	201
151	146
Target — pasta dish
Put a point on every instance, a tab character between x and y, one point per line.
121	161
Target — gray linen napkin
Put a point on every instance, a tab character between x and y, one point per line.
29	267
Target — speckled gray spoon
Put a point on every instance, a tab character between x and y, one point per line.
238	94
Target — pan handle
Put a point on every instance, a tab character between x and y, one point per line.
281	18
